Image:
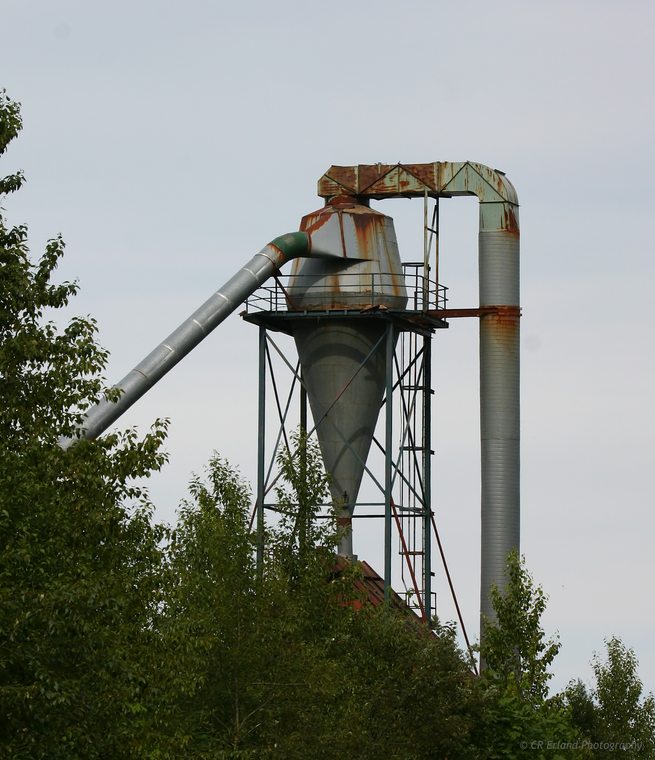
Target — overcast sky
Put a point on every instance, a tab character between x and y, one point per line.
168	142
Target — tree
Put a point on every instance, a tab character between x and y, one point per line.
615	716
210	624
278	664
515	651
520	719
302	491
252	672
79	556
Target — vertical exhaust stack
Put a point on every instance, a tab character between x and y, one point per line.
343	352
499	394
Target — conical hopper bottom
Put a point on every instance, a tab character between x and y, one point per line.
345	391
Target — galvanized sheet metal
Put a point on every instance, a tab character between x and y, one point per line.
196	327
369	273
344	363
499	269
440	178
499	407
332	353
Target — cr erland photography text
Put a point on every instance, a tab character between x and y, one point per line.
583	744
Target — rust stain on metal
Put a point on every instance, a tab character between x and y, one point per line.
380	180
425	173
370	272
510	223
386	185
318	219
437	179
340	177
365	228
482	311
503	325
369	589
496	179
346	175
370	174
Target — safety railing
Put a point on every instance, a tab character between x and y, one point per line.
376	288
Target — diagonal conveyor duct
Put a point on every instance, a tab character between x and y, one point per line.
197	327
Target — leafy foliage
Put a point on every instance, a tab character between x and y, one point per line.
520	720
10	126
515	651
614	716
79	556
279	664
120	638
304	488
210	620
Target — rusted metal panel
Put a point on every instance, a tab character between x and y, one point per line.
398	182
379	180
369	586
510	221
338	180
504	311
444	178
425	174
370	174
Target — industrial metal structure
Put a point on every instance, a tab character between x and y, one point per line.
362	322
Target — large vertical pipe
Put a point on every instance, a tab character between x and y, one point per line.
499	395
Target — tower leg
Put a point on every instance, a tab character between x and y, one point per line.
261	445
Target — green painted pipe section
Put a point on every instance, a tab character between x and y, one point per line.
293	244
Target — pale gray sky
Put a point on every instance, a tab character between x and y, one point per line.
169	142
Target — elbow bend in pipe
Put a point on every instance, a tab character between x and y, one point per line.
293	245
